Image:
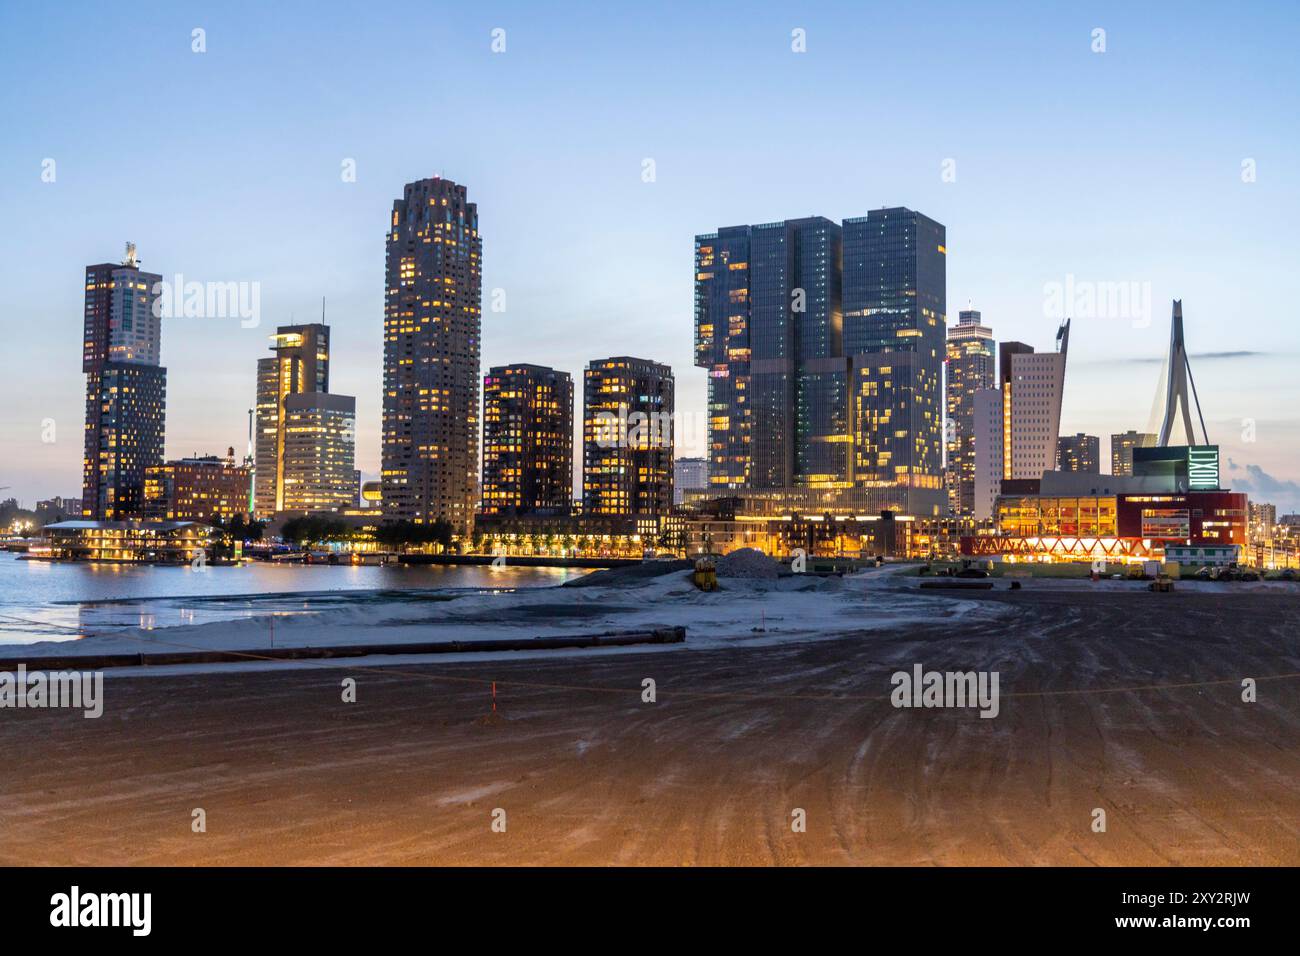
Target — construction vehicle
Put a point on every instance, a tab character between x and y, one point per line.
705	575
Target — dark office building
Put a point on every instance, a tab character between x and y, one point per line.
432	320
1079	453
527	441
126	389
627	437
781	309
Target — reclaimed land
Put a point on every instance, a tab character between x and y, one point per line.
1127	702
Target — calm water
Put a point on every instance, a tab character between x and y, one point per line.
42	600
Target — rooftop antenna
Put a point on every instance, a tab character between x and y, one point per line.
131	259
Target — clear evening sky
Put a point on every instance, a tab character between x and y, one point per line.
1122	166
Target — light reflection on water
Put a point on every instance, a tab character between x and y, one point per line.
44	601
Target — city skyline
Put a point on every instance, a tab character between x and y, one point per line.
1006	247
663	436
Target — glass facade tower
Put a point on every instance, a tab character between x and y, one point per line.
782	310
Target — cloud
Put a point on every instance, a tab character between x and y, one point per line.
1261	486
1207	356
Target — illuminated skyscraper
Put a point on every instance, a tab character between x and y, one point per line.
432	319
972	361
722	345
319	452
527	440
301	364
895	302
627	437
768	328
783	310
126	389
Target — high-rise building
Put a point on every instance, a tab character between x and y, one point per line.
768	327
1079	452
895	301
989	433
1262	521
319	458
782	310
196	489
722	345
689	474
126	388
301	364
1121	449
972	366
527	440
432	320
1033	384
627	437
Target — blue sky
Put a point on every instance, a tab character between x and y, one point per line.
1122	166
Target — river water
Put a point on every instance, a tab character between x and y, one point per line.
44	600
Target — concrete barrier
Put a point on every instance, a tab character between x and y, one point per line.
660	635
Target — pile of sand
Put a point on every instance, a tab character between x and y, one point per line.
632	575
747	563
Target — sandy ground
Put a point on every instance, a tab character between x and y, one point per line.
709	774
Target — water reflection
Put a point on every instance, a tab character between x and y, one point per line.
48	601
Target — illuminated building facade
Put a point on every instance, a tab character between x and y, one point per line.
972	366
196	489
1121	450
768	327
1079	453
301	364
1173	498
782	311
627	437
527	440
722	346
126	389
895	302
1263	519
432	320
319	452
128	541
